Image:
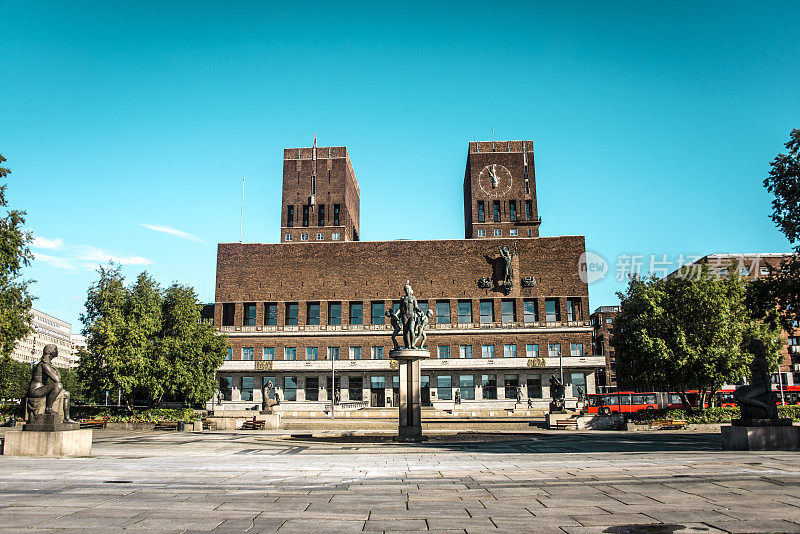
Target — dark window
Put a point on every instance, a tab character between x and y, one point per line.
507	309
442	312
489	386
356	313
444	387
486	311
552	310
511	384
464	311
423	305
312	388
467	387
512	210
535	386
481	212
290	388
528	210
247	388
336	215
321	213
305	215
573	309
228	313
291	313
355	383
496	210
378	316
271	313
290	216
226	387
312	317
530	311
249	314
334	313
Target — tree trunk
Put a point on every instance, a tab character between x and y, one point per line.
684	400
702	393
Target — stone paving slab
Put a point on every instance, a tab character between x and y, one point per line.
564	482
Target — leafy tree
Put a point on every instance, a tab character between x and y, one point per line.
15	301
688	332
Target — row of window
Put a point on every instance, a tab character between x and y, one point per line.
377	312
335	236
378	352
497	211
497	232
306	215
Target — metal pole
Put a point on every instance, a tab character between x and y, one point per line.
241	218
780	384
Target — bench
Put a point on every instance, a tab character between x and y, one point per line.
253	425
166	425
567	424
206	424
670	424
94	423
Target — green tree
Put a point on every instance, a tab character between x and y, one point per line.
687	333
15	300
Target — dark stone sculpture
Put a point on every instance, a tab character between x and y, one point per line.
396	328
557	395
756	400
267	398
485	283
528	281
508	269
47	402
422	324
413	321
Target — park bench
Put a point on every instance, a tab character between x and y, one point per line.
206	424
94	423
567	424
253	425
166	425
669	424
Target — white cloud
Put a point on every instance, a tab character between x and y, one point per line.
173	232
52	244
90	253
53	261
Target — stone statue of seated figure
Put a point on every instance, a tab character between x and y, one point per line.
756	399
46	393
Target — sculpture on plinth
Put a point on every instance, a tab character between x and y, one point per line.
267	399
47	402
756	400
557	402
411	320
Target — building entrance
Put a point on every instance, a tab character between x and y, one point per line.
425	390
378	392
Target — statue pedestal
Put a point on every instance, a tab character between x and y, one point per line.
761	435
410	426
49	422
48	443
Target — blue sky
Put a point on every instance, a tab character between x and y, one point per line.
654	122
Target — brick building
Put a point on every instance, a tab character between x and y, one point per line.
602	322
316	300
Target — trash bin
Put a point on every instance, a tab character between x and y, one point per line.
180	426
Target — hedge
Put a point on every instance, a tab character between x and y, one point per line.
114	414
709	415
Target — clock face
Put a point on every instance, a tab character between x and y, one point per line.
495	180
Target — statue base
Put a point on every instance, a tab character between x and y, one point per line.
761	435
761	422
410	410
49	422
49	443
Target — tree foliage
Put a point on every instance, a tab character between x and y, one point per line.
148	342
15	300
688	332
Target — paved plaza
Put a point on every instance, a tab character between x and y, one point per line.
565	482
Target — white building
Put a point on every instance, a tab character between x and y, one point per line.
46	329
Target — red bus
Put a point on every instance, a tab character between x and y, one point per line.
629	401
791	395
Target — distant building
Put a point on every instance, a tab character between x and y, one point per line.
602	321
46	329
79	342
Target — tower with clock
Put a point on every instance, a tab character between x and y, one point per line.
500	190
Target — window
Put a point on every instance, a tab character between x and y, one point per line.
442	312
320	237
486	311
247	354
794	340
576	350
507	309
528	210
312	353
551	310
377	353
509	351
355	384
312	388
481	212
535	386
554	350
312	316
289	218
333	353
271	313
498	233
289	237
226	387
530	311
335	236
291	313
290	388
489	386
247	388
511	385
481	233
249	314
356	313
228	313
444	387
496	211
355	353
465	351
487	351
609	320
573	309
321	213
229	356
378	311
336	215
290	353
532	351
423	305
268	354
305	216
443	352
464	311
334	313
764	271
466	384
303	237
377	382
512	210
513	232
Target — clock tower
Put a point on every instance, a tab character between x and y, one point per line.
500	190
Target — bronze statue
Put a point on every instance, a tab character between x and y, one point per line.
47	397
508	257
556	394
422	323
396	329
756	400
407	315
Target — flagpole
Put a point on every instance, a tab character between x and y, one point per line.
241	219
